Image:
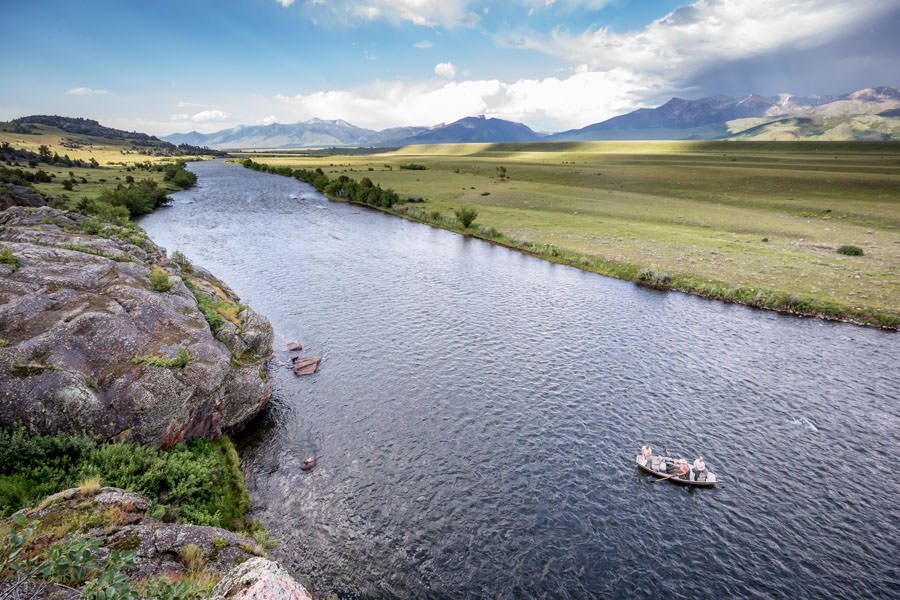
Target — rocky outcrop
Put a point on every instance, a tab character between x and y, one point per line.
259	579
89	343
19	195
119	520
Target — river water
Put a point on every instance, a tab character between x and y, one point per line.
477	412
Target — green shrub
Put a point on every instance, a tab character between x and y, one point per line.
850	250
466	216
182	261
200	481
7	258
159	279
654	277
413	167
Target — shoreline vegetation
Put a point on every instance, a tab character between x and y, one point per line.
512	187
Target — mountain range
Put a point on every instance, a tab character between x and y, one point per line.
871	114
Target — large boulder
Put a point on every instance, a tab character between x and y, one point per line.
87	342
259	579
19	195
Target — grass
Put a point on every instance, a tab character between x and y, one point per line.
86	250
182	359
751	222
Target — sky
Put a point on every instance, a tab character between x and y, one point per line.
205	65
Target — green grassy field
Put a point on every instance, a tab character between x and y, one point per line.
760	216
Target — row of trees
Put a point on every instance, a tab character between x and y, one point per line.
364	191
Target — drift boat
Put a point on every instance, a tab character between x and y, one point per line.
658	465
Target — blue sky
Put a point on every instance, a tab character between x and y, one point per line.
206	65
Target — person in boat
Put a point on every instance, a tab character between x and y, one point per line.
646	454
684	470
699	465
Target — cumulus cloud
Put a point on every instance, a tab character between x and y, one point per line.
445	69
210	115
550	103
267	120
285	3
84	91
690	39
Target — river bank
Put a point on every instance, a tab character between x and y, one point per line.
344	188
122	370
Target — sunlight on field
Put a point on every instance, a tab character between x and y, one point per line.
752	214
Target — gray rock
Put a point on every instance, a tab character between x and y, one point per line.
72	321
19	195
259	579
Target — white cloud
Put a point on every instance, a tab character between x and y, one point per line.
427	13
285	3
445	69
267	120
702	34
183	104
84	91
180	117
423	44
550	103
367	12
210	115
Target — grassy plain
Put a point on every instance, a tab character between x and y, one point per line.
718	217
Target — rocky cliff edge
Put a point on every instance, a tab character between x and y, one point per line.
89	344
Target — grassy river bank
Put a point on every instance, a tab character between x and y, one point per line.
755	223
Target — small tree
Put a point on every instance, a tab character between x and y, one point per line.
466	216
501	172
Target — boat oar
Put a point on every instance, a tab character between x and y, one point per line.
666	477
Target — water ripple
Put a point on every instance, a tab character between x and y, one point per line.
477	411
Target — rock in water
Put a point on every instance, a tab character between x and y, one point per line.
81	325
294	346
309	464
305	365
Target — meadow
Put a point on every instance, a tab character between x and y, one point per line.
753	222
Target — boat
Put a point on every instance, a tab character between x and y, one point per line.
709	480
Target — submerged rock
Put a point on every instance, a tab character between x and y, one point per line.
305	365
294	346
87	343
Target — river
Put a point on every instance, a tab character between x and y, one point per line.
477	412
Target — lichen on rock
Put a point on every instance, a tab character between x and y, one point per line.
80	310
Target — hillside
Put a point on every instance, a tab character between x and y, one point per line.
85	138
861	115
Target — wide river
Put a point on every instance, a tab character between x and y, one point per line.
477	413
